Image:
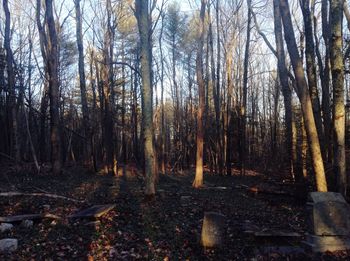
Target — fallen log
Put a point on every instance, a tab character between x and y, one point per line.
16	194
11	219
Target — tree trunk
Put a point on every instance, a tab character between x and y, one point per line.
325	82
337	65
286	90
14	144
311	70
304	97
54	92
86	125
245	90
143	21
198	180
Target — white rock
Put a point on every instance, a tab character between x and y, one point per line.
27	223
5	227
8	245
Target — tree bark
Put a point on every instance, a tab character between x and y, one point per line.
14	144
286	90
337	66
144	26
54	92
198	180
245	90
311	70
86	123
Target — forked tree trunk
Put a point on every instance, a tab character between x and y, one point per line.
54	92
311	70
198	180
304	97
286	90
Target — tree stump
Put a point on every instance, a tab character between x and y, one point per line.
213	230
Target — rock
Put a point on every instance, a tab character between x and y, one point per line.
5	227
329	214
27	223
213	230
8	245
321	244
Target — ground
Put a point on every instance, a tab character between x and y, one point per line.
167	228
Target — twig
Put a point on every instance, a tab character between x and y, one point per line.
13	194
6	156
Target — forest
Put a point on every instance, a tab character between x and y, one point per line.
174	130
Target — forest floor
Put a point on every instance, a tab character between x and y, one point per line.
167	228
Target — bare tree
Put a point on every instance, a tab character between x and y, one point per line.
304	97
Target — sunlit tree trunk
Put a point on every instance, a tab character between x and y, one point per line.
311	70
198	180
304	97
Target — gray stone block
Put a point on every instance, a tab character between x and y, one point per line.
327	243
8	245
329	214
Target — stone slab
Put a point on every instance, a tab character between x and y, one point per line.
93	212
316	197
321	244
329	214
8	245
5	227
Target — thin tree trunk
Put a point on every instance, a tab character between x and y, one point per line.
325	82
245	91
86	122
15	149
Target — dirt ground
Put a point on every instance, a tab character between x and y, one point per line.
167	228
